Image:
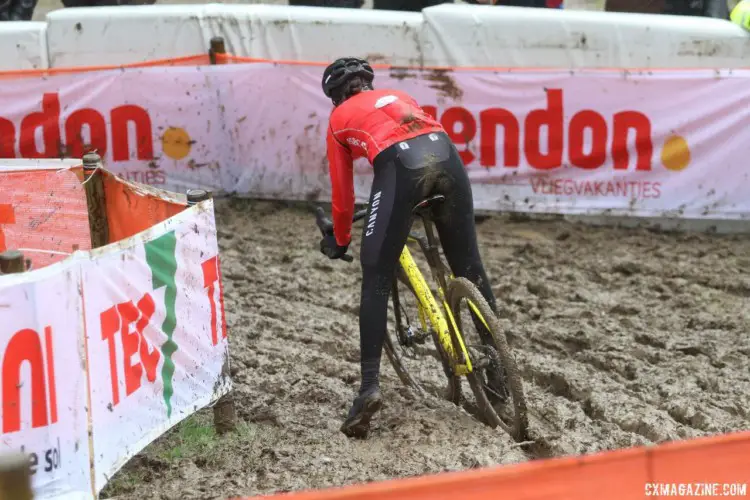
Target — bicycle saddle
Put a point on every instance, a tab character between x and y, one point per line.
427	203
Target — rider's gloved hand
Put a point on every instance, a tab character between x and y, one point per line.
330	248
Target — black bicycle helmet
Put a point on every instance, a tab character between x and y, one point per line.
342	70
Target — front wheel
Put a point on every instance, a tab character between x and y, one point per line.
494	379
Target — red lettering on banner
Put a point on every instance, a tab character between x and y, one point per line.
110	324
623	123
431	110
617	187
467	132
130	342
152	177
26	346
149	357
74	132
489	120
593	121
121	318
51	373
48	121
7	139
121	117
7	216
552	118
212	275
461	126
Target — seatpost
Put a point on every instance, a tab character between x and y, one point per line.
433	255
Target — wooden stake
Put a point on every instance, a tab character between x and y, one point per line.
217	47
95	199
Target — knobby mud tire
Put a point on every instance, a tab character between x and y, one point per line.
461	289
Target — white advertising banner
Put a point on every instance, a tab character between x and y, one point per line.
651	143
43	383
156	334
149	125
667	143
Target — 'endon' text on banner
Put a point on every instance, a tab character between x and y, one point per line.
605	141
67	138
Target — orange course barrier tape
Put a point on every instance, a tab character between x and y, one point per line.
232	59
132	208
43	214
204	59
634	473
196	60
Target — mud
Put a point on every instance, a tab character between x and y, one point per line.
624	337
444	83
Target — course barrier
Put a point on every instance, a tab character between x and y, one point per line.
23	45
447	35
664	143
130	335
43	213
713	466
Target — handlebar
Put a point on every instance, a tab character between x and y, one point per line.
326	226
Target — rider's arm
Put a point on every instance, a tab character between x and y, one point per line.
342	188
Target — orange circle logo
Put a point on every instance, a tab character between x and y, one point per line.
176	143
675	155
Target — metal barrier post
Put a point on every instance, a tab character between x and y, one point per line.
95	200
11	261
224	412
15	477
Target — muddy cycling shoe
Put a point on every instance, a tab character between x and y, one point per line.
357	424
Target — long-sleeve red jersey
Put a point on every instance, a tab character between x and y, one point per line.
363	126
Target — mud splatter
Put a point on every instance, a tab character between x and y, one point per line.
444	83
399	73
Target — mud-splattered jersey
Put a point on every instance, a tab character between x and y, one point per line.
363	126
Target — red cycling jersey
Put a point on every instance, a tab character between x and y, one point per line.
363	126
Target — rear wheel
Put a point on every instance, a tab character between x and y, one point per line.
495	379
413	349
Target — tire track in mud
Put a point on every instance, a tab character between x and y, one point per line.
624	337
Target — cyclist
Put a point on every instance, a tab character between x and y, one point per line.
412	158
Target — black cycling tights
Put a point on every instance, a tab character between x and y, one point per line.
404	174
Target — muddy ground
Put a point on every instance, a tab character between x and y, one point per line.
624	336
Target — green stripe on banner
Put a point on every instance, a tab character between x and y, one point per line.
161	258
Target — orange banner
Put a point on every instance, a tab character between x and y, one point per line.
713	466
132	208
43	214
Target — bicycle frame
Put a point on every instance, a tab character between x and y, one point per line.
447	333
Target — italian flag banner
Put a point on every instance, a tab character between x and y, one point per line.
155	334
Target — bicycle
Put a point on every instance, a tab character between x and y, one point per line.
440	318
